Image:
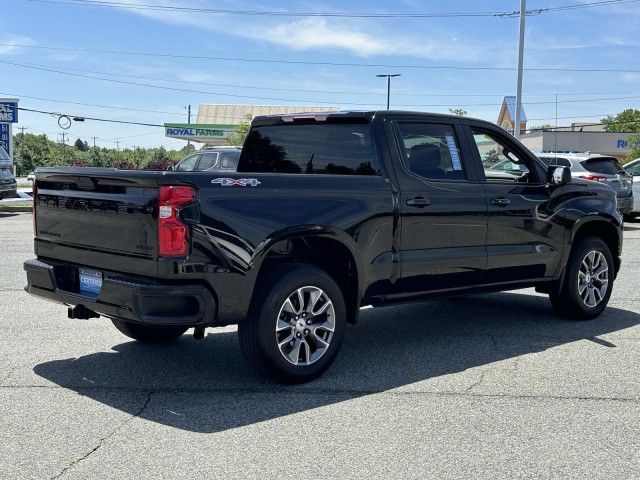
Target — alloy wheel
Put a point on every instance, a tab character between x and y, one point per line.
305	326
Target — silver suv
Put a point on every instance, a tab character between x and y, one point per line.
218	159
8	184
597	168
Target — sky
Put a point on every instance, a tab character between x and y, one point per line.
129	64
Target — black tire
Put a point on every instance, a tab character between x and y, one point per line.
148	333
257	332
568	301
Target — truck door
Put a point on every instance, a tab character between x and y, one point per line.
443	207
523	241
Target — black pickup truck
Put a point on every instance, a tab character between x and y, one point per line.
327	213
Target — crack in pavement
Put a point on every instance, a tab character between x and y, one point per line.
355	393
145	405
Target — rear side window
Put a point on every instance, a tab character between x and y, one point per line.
605	165
338	149
207	160
431	151
229	159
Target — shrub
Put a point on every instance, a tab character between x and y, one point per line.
124	165
159	164
79	162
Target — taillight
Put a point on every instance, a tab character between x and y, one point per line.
594	178
173	234
34	192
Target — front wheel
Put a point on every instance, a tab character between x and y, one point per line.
588	280
296	324
148	333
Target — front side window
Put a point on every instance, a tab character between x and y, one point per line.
188	164
498	162
321	148
431	151
634	169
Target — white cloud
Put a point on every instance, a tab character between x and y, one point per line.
325	34
322	34
10	44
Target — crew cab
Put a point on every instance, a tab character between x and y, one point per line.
326	213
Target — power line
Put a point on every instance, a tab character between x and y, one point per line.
331	64
301	90
90	118
90	104
282	13
362	104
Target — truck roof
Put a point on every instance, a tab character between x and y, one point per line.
354	115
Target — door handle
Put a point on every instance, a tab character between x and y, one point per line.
500	202
419	202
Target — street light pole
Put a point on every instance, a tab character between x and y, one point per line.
388	76
523	14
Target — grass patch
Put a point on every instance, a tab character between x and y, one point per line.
16	208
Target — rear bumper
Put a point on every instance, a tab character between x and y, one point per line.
8	189
133	299
625	204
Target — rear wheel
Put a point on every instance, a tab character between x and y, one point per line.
148	333
296	325
588	280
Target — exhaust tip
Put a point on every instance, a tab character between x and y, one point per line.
81	312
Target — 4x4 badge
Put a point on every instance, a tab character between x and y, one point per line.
237	182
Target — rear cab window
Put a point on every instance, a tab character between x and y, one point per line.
604	165
318	148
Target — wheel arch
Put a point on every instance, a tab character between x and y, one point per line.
330	249
603	228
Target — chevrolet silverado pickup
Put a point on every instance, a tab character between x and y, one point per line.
326	213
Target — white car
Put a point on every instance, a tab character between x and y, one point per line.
633	168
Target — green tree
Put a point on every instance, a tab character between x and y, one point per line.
81	146
626	121
634	145
32	151
460	112
240	134
539	128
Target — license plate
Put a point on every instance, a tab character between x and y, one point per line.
90	281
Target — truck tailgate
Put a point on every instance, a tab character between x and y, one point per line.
101	214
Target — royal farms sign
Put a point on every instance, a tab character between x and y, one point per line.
198	132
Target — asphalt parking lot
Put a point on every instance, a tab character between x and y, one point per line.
491	386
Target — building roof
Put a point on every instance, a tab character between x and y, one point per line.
510	103
235	114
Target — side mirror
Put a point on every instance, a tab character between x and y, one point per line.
558	175
171	167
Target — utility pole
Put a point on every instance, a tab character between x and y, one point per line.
189	120
117	145
94	142
523	14
22	129
388	76
64	144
